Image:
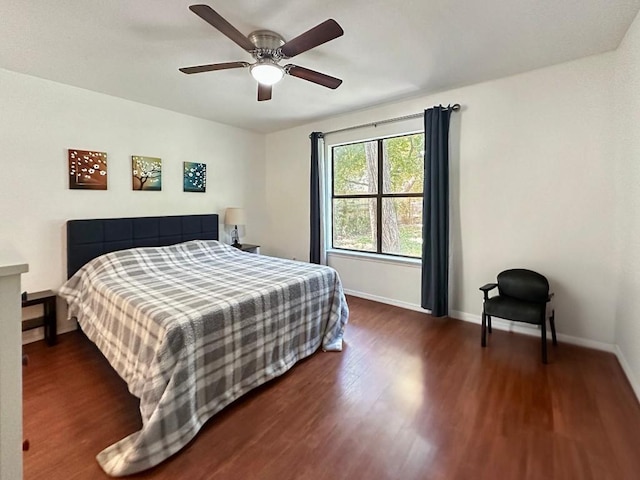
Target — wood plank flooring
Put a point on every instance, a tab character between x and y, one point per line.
410	397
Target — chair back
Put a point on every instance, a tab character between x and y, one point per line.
524	285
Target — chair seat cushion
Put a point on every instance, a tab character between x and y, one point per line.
514	309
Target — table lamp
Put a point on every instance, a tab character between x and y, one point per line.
235	216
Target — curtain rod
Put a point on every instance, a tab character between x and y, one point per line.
454	108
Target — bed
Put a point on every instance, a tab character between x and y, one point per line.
189	323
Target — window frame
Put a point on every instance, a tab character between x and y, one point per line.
379	195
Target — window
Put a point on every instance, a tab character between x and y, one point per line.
376	195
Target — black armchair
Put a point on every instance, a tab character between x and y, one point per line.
523	296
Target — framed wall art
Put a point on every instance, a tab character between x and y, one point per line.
146	173
87	170
195	177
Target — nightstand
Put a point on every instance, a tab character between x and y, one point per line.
246	247
47	299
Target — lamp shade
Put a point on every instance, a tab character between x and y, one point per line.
235	216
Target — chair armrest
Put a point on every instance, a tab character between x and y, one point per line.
486	288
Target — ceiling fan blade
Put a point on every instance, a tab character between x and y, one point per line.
327	30
212	17
313	76
264	92
213	66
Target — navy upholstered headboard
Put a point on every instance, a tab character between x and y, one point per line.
88	239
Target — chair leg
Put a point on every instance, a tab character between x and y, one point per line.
483	341
552	323
489	322
544	340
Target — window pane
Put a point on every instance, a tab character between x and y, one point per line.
355	169
402	226
354	221
403	164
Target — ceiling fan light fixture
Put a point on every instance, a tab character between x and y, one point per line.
267	72
268	48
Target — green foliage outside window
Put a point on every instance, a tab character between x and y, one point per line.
361	213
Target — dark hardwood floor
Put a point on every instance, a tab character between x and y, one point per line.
410	397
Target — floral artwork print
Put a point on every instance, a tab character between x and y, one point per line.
146	173
87	170
195	177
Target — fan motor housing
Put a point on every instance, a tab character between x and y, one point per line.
266	39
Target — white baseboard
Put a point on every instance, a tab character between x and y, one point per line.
498	323
518	328
388	301
37	334
626	368
534	330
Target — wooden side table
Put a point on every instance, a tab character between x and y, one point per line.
46	298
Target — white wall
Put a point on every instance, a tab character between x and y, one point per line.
627	165
40	120
531	186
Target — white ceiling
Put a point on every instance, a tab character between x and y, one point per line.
390	49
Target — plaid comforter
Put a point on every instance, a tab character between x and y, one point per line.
193	326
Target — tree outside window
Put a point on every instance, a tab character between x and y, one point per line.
377	189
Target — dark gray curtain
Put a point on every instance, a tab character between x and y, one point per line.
315	225
435	212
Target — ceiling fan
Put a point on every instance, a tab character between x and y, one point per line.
268	49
